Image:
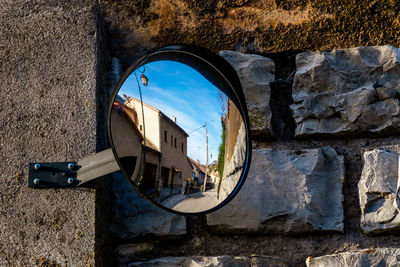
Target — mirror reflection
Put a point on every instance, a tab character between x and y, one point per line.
179	138
127	138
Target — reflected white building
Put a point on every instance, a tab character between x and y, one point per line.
166	147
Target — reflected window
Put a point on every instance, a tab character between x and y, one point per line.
175	142
165	137
182	147
172	140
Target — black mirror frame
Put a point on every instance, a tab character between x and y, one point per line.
198	58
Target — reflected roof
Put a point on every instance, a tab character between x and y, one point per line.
124	108
160	112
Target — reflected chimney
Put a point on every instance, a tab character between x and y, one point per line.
174	118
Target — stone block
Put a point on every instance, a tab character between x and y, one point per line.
378	190
360	258
347	92
289	191
135	216
255	73
209	261
129	252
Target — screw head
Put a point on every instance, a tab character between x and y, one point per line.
70	180
37	166
71	166
36	181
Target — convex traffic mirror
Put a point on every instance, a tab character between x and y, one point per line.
179	131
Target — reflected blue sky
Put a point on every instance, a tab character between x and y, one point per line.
178	90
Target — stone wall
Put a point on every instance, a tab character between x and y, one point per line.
323	188
331	186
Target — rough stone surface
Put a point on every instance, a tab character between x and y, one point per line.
221	261
47	113
378	190
347	91
131	252
258	26
289	191
137	217
255	73
362	258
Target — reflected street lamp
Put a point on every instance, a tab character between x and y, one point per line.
144	79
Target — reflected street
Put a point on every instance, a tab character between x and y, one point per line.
196	202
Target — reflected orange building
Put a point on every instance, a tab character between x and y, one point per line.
166	147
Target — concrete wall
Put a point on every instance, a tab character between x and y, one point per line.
47	113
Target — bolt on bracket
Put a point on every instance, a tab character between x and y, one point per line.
72	174
53	174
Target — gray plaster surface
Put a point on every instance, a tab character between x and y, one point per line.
47	113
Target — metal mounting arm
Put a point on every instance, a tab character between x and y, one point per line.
72	174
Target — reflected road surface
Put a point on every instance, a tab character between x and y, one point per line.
197	202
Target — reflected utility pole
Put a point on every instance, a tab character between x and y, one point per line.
205	178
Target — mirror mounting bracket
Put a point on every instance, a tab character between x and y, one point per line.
71	174
52	175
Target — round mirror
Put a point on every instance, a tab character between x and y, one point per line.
179	129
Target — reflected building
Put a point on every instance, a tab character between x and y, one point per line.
199	172
166	163
127	139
